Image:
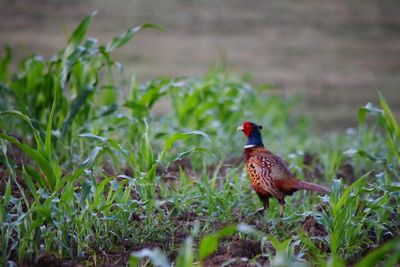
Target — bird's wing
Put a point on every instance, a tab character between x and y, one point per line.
275	176
284	180
265	164
279	170
261	168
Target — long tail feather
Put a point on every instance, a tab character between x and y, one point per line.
313	187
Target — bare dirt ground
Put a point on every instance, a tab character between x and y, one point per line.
336	54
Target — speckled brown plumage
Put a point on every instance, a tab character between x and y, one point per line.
268	173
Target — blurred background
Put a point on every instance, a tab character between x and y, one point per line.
334	54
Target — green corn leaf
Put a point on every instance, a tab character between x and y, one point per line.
94	137
138	110
4	63
98	196
25	118
391	121
92	157
179	156
279	246
312	248
180	136
392	128
36	156
69	178
7	193
124	38
368	108
43	210
357	184
30	172
3	212
94	154
110	109
208	246
73	42
209	243
79	33
185	257
49	126
373	258
335	261
79	101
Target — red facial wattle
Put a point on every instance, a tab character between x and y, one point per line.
247	128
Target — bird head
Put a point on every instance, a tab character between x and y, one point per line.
252	131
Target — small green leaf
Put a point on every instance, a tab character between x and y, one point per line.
77	104
35	175
373	258
79	33
179	156
92	157
356	185
43	163
180	136
124	38
25	118
47	142
185	257
94	137
209	243
4	63
30	184
7	194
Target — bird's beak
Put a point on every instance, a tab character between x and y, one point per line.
240	128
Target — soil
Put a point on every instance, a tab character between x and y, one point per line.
312	228
312	169
346	171
241	250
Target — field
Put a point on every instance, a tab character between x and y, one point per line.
93	174
335	55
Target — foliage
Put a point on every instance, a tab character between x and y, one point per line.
88	164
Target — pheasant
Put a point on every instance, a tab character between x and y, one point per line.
268	173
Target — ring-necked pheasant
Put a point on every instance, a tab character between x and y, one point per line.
268	173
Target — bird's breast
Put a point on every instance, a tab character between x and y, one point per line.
258	183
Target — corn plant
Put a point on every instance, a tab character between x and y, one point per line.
346	222
387	121
73	79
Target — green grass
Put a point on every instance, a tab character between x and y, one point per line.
88	168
